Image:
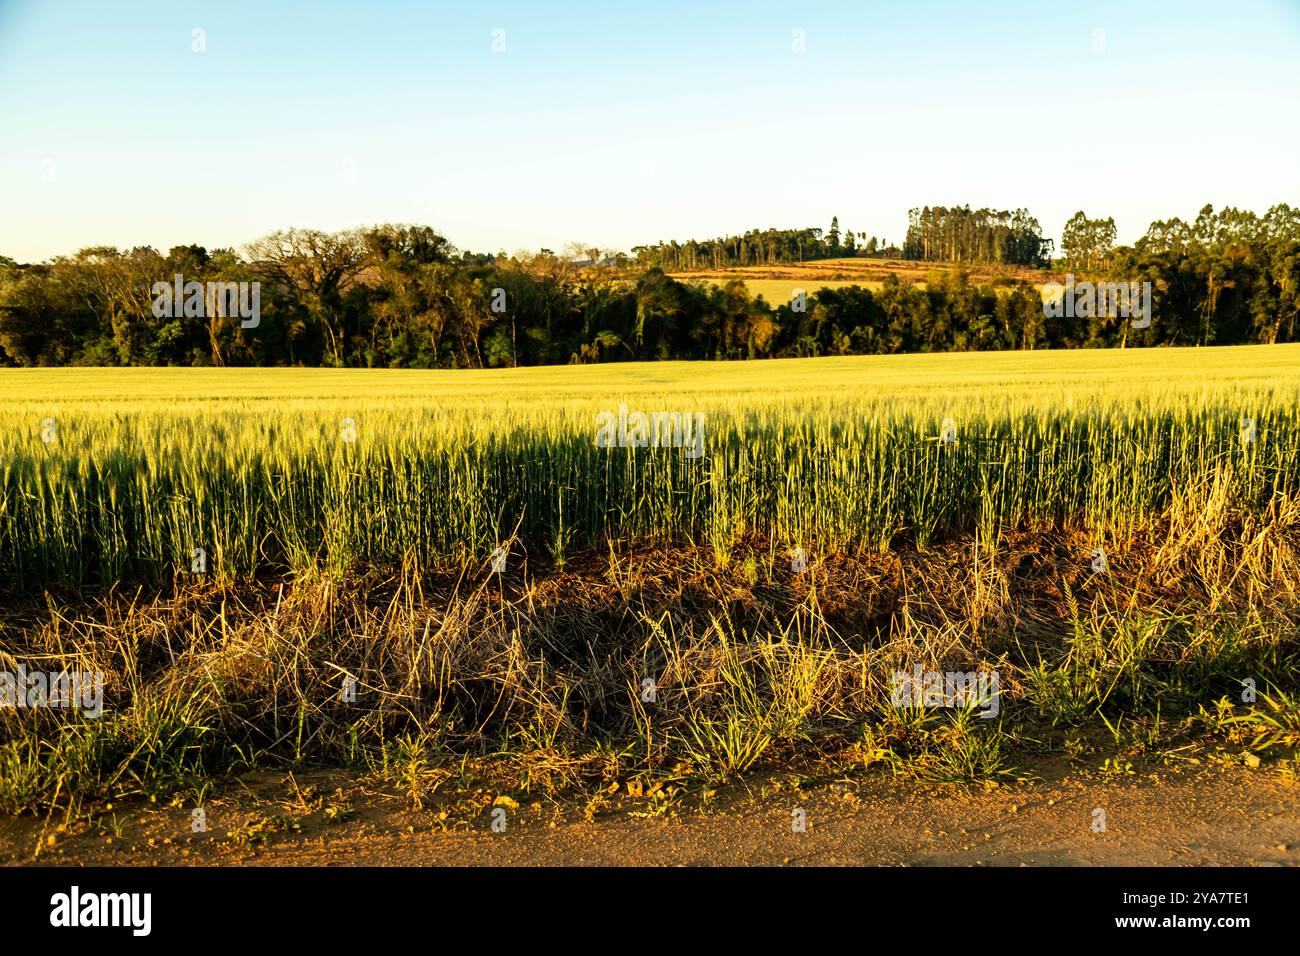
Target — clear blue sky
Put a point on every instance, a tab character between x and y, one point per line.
615	124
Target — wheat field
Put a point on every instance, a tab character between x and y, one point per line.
120	474
950	508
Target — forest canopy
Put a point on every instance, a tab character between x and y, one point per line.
400	295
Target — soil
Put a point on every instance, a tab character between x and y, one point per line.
1185	815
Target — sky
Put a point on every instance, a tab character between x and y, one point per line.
510	126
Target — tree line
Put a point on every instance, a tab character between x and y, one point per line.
960	234
761	247
403	296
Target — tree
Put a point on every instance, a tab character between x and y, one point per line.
406	245
314	268
961	234
1088	243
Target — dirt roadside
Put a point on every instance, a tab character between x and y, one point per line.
1197	816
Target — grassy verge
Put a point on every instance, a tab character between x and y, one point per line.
677	669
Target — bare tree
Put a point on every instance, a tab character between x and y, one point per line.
315	267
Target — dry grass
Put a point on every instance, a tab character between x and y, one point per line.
777	282
752	665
